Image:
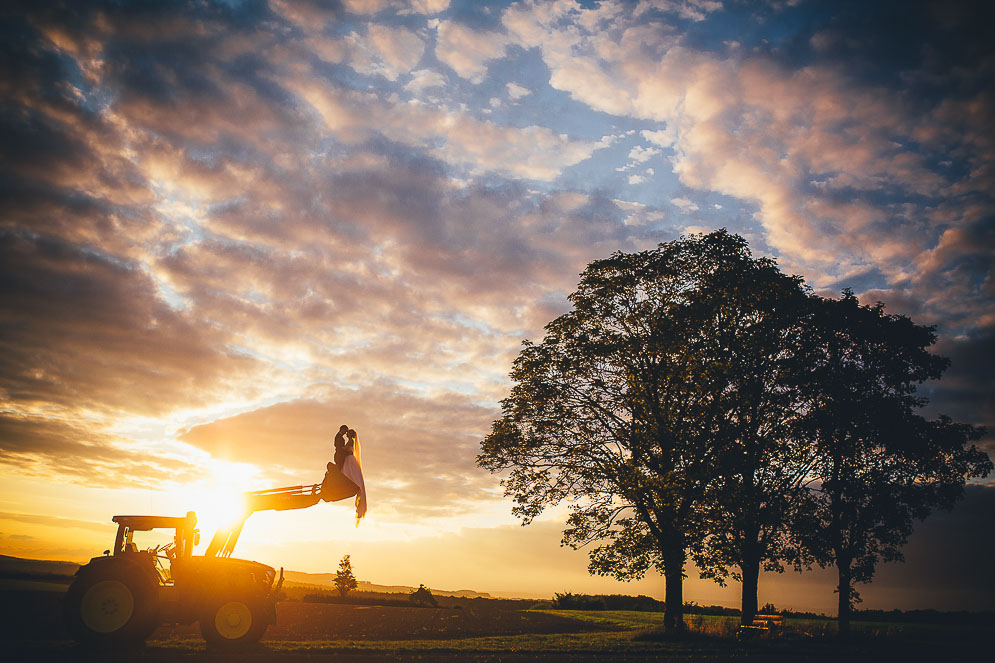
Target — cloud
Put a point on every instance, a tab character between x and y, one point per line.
833	164
385	51
640	154
516	91
684	204
967	390
82	453
424	79
84	330
55	521
694	10
457	138
467	51
401	6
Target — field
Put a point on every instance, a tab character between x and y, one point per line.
31	630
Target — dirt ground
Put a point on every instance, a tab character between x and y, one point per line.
34	616
31	629
325	621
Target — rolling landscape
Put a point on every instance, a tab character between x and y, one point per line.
380	623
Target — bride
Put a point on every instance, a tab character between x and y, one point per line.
344	477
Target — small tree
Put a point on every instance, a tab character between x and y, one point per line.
423	597
345	581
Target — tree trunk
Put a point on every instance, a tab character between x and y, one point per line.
673	618
751	578
845	590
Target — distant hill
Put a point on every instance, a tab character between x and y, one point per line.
37	569
62	572
327	581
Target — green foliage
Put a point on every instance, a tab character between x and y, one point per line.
345	581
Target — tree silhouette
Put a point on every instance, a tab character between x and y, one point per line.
763	466
880	464
423	597
696	398
345	581
625	409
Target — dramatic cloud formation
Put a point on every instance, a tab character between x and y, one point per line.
227	228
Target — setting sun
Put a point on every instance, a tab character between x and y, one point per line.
218	501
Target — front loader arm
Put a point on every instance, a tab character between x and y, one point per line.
275	499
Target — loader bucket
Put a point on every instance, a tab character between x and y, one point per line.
336	486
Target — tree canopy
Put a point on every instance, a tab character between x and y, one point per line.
696	398
623	408
880	465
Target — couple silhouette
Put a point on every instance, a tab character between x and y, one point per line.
344	476
346	442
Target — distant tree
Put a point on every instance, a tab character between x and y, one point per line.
626	408
768	609
423	597
345	581
880	464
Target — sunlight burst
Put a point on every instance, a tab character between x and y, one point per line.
218	501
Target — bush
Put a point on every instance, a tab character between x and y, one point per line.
568	601
693	608
423	597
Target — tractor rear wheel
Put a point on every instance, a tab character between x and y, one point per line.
112	604
233	622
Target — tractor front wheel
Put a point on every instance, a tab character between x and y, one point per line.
233	622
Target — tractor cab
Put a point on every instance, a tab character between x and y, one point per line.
161	547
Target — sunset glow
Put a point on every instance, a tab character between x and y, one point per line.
229	227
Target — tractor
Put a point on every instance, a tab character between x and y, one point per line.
124	595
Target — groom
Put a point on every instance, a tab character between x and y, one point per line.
341	450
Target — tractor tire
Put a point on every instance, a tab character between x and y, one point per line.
112	604
234	622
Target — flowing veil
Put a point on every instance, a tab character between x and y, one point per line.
352	468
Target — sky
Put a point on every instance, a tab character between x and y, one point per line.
226	228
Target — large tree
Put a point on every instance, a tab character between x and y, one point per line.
880	464
623	409
765	466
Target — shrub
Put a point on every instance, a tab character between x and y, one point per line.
422	596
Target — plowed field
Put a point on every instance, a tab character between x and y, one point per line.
323	621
